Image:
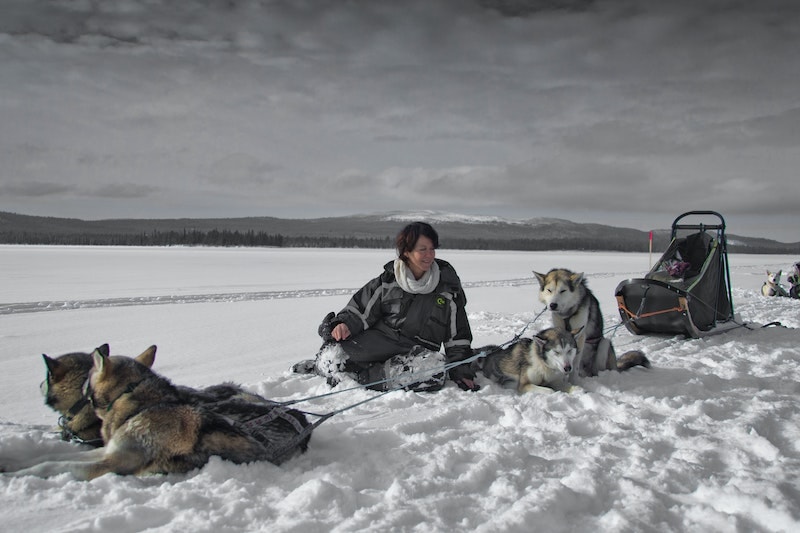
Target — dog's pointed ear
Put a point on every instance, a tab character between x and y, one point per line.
53	367
539	341
576	277
540	277
104	349
577	332
101	362
147	357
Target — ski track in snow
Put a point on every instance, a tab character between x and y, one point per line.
64	305
252	296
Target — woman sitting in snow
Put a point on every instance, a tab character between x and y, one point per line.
390	333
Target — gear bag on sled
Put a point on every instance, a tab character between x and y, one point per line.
688	290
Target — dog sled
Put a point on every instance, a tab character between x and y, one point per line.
688	290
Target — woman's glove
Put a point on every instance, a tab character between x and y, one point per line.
327	325
464	377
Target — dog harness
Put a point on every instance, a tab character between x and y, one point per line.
260	427
70	434
594	341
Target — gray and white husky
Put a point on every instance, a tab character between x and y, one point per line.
575	308
540	364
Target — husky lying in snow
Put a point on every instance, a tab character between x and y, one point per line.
67	374
574	308
151	426
541	364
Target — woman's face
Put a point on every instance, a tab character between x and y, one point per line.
421	257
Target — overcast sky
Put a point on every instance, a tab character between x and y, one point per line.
612	111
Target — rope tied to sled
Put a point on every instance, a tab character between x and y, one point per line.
303	432
280	411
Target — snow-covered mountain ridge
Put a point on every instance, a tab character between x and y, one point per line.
455	230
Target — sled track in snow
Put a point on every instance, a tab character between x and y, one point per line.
66	305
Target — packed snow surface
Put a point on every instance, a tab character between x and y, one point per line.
705	440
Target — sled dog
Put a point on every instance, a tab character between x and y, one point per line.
150	427
62	389
574	308
541	364
63	392
794	281
772	286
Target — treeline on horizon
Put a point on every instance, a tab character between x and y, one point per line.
251	238
261	239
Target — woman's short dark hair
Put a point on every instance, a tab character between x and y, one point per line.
408	237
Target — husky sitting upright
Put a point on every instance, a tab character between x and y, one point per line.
541	364
772	287
575	308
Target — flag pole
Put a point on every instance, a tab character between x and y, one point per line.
651	248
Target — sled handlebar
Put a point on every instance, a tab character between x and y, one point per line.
720	226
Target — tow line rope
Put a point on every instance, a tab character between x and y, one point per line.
281	408
425	372
305	431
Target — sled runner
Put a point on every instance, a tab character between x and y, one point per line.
688	290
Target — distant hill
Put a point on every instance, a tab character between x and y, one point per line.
365	231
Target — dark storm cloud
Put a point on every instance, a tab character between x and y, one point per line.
123	191
632	139
34	189
239	169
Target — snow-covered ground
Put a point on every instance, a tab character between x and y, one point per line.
706	440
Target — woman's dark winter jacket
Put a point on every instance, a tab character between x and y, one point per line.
430	320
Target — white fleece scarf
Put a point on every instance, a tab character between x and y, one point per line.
424	285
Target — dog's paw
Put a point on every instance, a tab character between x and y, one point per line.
574	389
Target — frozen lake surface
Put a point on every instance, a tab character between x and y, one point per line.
706	440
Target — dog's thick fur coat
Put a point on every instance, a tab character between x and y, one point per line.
772	286
573	307
63	391
67	374
151	426
541	364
